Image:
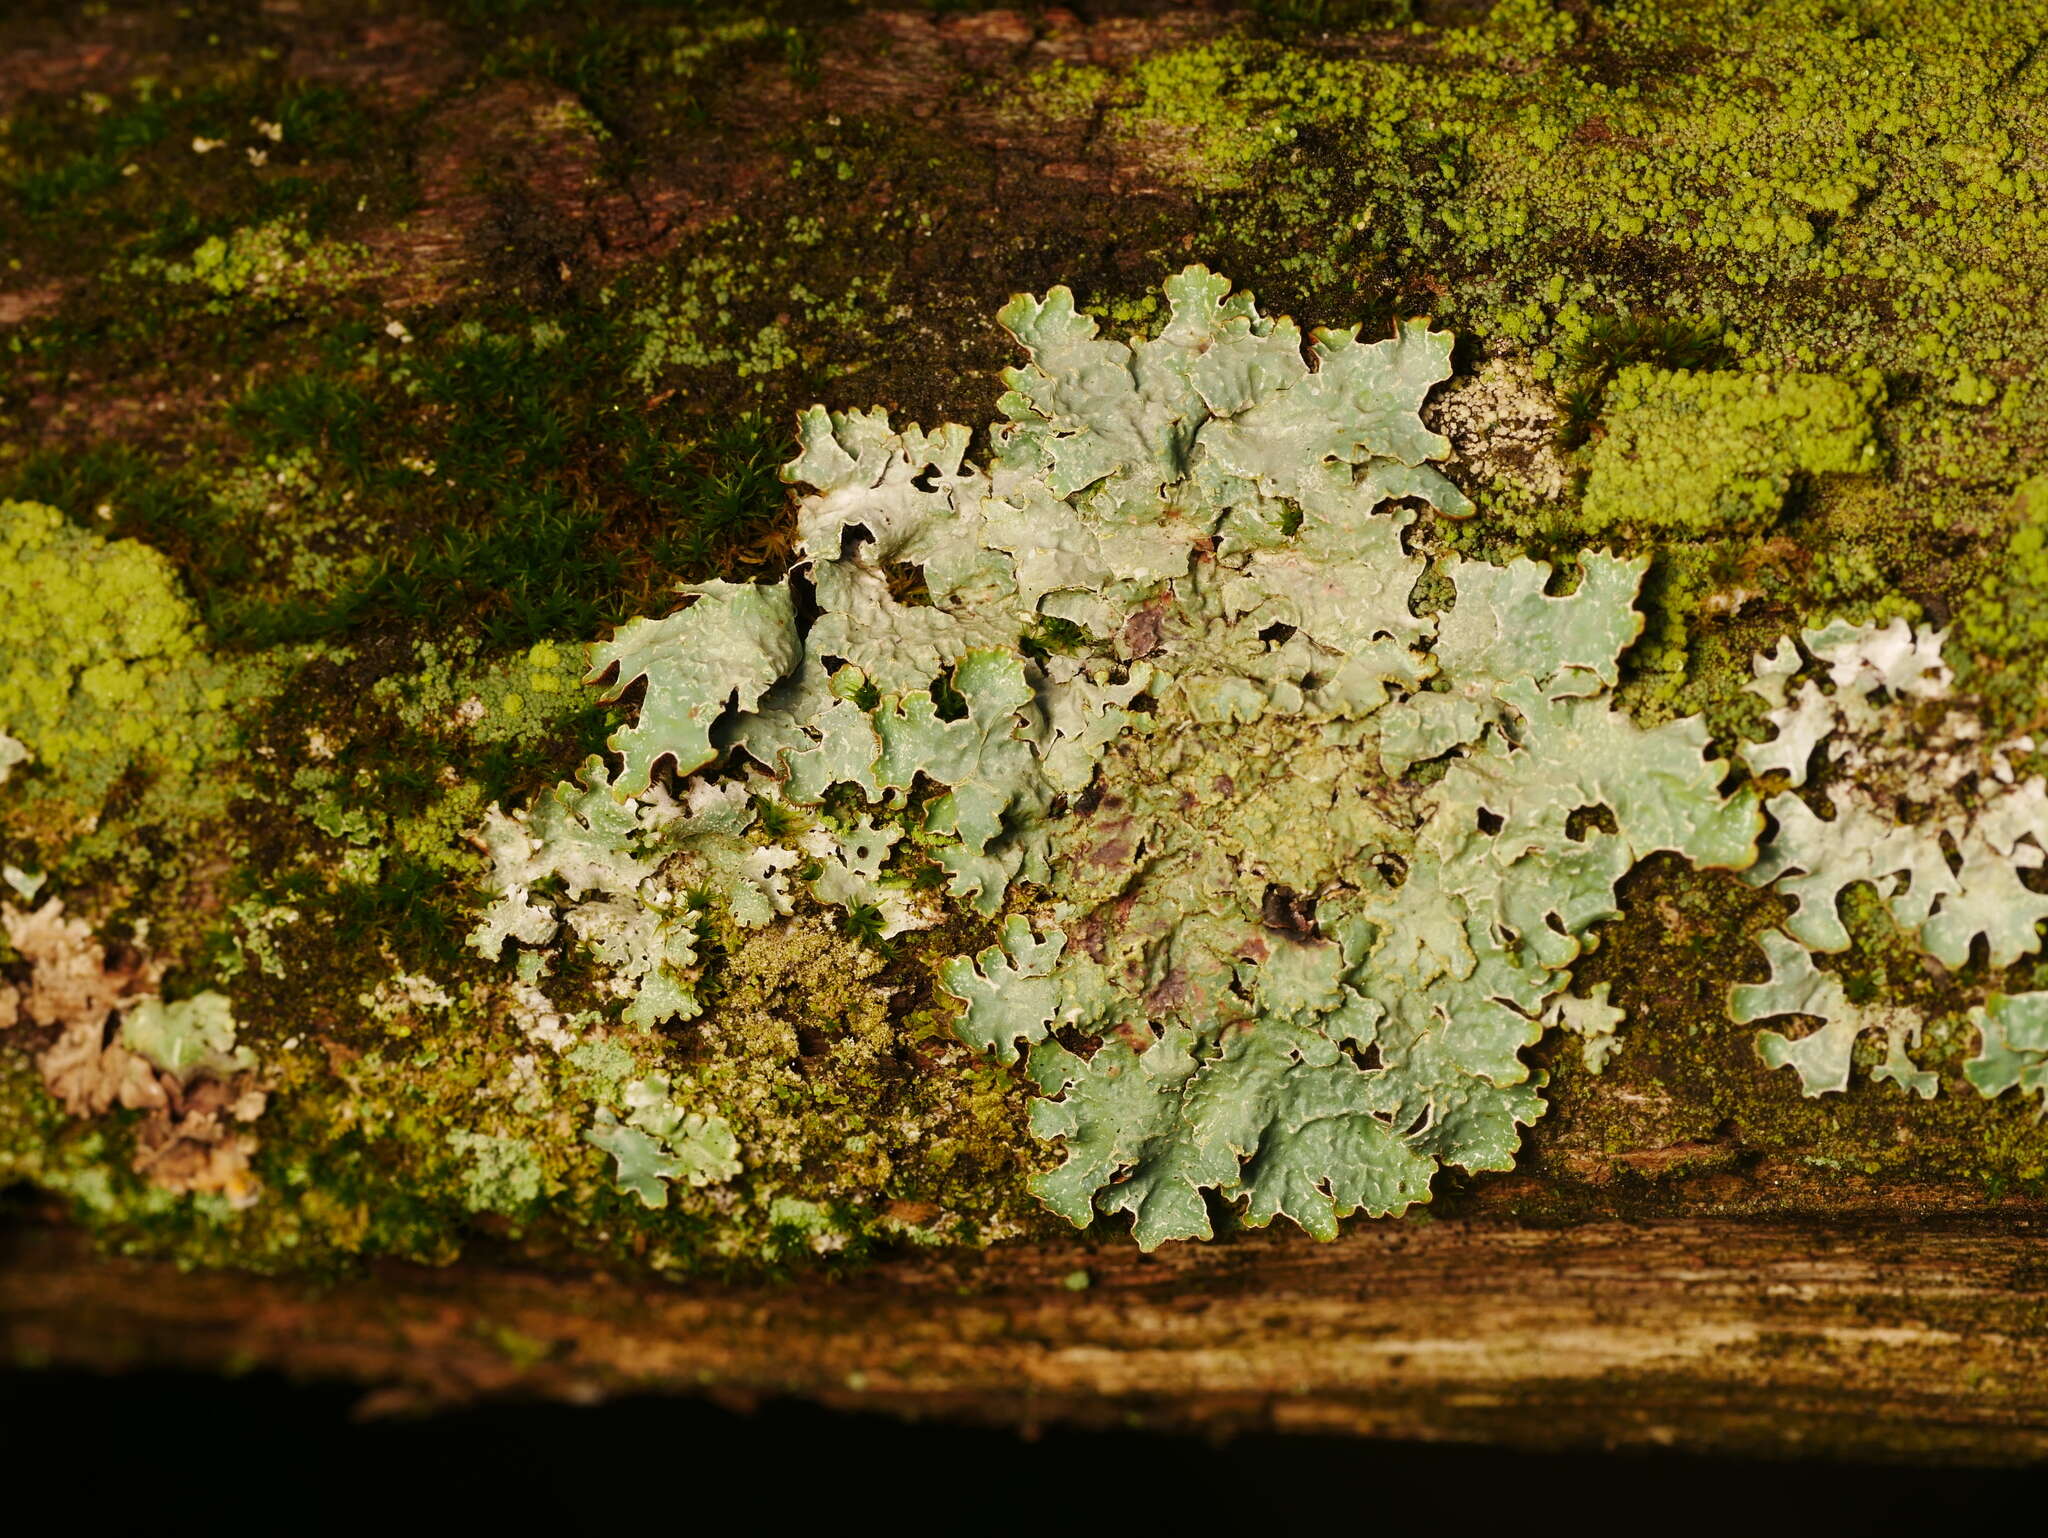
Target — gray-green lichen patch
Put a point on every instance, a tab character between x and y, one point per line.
1921	810
2012	1045
1292	873
1822	1058
659	1142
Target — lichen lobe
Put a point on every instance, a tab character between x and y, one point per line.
1149	679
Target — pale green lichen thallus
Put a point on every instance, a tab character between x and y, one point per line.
1289	873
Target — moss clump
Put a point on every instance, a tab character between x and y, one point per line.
1690	454
508	700
101	670
838	1095
272	260
438	1107
2004	620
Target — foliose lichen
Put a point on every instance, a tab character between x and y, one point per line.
1923	810
1289	874
177	1062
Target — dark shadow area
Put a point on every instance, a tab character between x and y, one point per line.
267	1455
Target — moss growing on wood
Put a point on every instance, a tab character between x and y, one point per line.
1684	455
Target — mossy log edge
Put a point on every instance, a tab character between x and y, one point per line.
1865	1335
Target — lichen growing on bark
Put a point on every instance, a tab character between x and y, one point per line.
1292	872
1923	811
177	1062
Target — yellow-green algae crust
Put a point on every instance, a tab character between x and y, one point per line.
1687	454
102	668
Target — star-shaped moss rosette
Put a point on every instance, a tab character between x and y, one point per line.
1288	874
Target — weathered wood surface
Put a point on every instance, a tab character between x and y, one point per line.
1879	1333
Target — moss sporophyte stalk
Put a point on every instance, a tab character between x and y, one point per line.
1160	811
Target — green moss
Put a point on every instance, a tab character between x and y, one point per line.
104	672
456	1104
1686	455
1691	184
512	699
704	317
2004	621
803	1054
274	260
